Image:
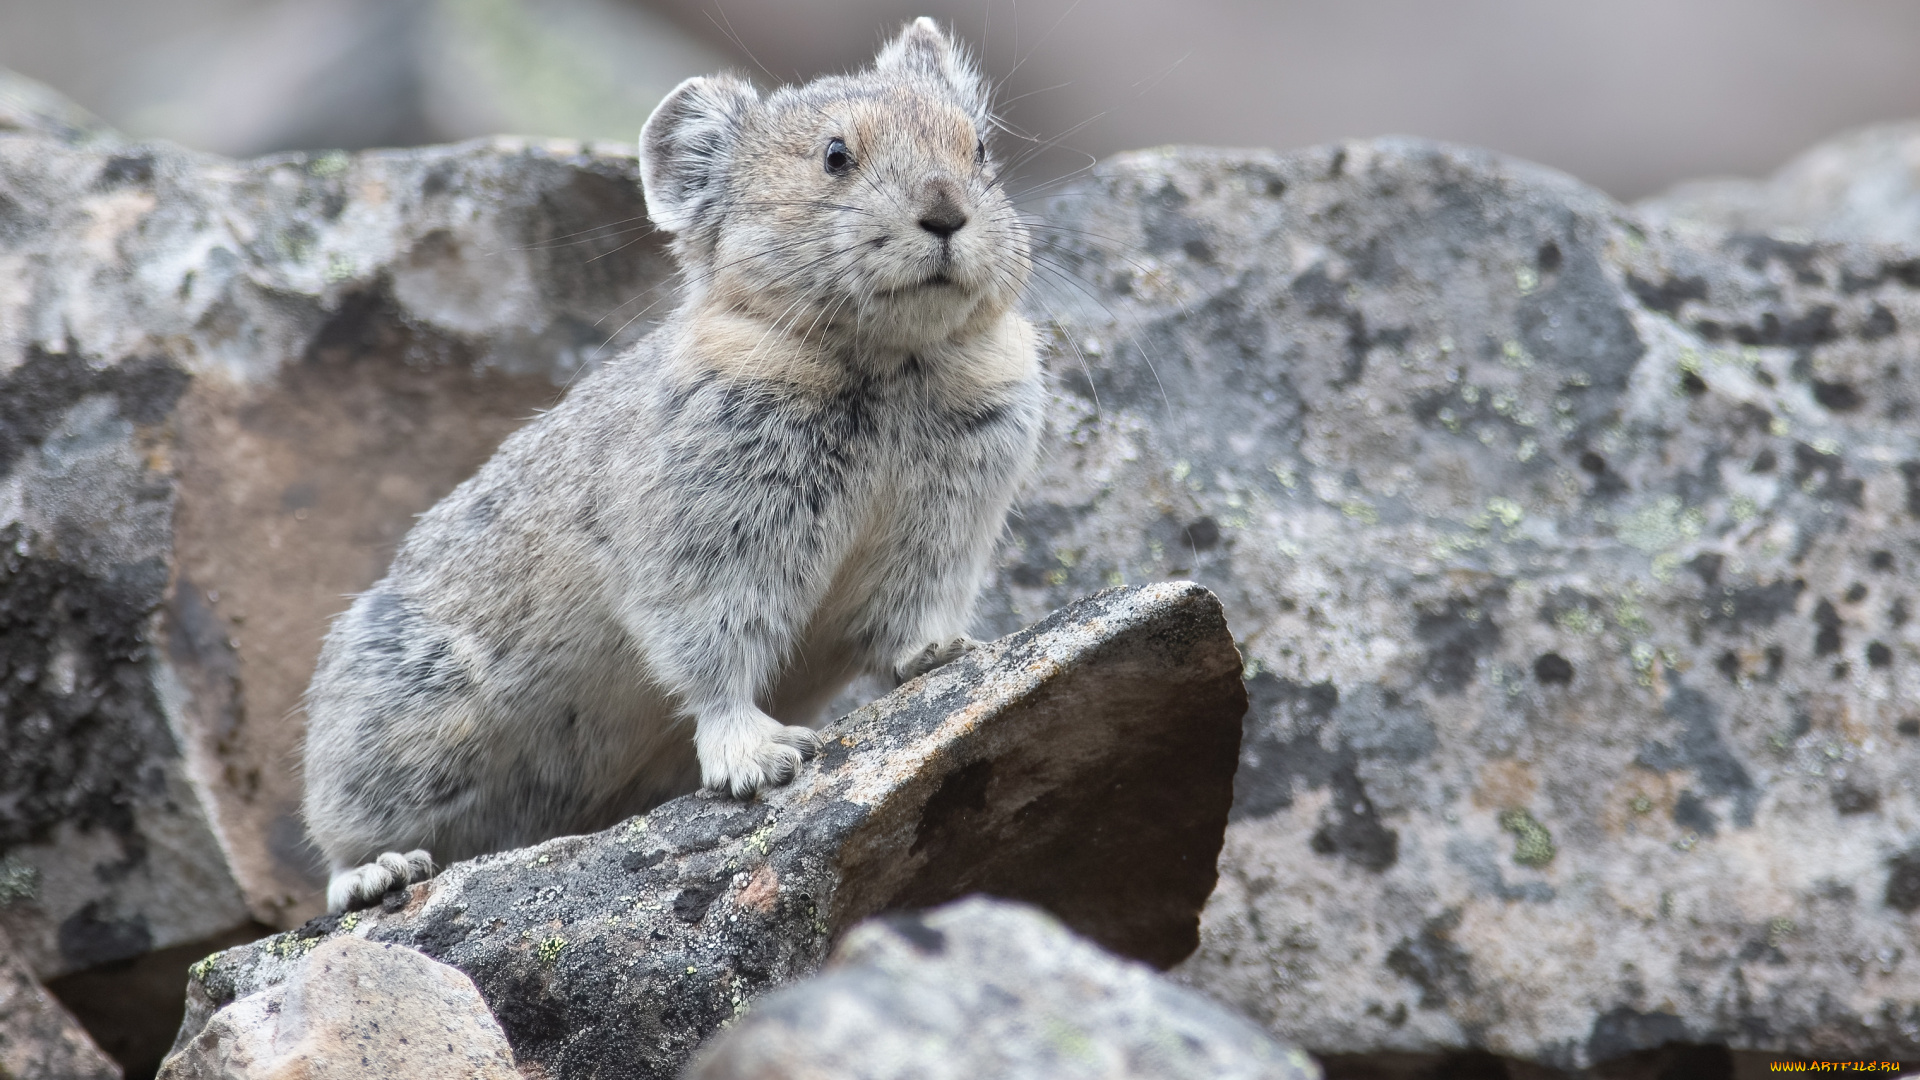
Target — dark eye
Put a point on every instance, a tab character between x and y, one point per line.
980	152
838	160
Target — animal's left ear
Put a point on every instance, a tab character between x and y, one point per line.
922	47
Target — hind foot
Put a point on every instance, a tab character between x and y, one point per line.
935	654
363	886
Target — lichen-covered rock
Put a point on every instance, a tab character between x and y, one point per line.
1863	186
38	1038
1574	563
984	988
353	1008
1084	764
225	390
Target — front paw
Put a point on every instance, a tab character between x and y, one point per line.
364	886
749	751
935	654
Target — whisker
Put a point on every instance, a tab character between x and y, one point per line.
725	26
554	241
617	250
1031	93
1035	47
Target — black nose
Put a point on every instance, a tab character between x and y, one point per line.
943	220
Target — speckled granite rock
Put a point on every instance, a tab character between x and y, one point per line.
984	988
989	988
1863	186
1574	565
352	1008
225	388
38	1038
1084	764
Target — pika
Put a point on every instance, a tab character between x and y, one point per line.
799	477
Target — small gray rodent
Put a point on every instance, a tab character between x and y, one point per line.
798	478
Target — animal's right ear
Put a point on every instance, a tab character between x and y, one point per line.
924	48
686	146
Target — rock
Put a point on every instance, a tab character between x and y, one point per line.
353	1008
37	1037
225	389
1084	764
1863	186
1573	560
987	988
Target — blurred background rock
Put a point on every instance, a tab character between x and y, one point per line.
1631	95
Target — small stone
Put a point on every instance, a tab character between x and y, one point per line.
351	1008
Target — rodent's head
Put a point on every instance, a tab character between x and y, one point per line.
861	206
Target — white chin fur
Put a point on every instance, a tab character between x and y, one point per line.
917	318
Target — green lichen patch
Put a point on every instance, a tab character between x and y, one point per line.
1533	844
292	945
199	969
18	881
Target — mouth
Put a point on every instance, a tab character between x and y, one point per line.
925	285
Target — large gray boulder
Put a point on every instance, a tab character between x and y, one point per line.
984	988
225	389
1862	186
1573	562
1084	765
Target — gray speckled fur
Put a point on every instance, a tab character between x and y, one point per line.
798	479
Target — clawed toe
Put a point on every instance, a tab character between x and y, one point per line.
363	886
936	654
756	756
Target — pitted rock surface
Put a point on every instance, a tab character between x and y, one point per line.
987	988
1084	764
1573	561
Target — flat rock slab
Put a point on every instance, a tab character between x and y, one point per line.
985	988
352	1009
1084	765
1574	563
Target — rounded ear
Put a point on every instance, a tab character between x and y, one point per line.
685	147
922	47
